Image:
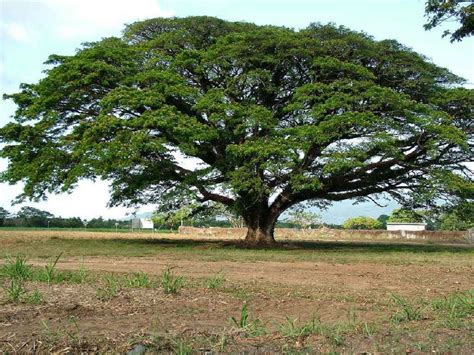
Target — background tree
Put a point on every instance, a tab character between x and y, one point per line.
220	211
362	223
257	118
383	218
303	219
442	11
460	217
406	215
4	214
34	217
172	219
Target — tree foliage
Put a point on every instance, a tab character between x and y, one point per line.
442	11
362	223
460	217
257	118
406	215
383	218
4	214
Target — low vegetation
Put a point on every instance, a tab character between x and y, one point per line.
171	283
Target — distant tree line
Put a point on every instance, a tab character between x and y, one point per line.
32	217
460	217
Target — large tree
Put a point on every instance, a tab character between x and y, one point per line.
442	11
257	118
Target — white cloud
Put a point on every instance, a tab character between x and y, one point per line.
15	31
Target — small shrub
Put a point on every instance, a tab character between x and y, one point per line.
16	268
109	289
137	280
214	282
170	283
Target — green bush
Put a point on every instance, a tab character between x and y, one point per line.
362	223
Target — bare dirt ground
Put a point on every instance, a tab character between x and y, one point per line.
351	303
364	278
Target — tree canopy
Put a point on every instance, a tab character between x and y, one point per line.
257	118
406	215
459	217
441	11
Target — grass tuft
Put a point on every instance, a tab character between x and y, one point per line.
35	297
137	280
250	328
406	311
16	268
291	329
15	290
170	283
109	288
214	282
49	271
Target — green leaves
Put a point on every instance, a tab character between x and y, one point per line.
440	11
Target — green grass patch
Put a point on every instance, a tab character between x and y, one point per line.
453	309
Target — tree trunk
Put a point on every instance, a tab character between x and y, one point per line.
260	230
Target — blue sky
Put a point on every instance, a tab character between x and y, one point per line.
30	30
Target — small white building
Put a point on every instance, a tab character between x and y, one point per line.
400	226
142	223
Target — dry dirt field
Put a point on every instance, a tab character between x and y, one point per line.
145	293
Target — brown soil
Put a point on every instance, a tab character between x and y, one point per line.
72	318
364	278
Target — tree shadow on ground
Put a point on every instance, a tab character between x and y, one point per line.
328	246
